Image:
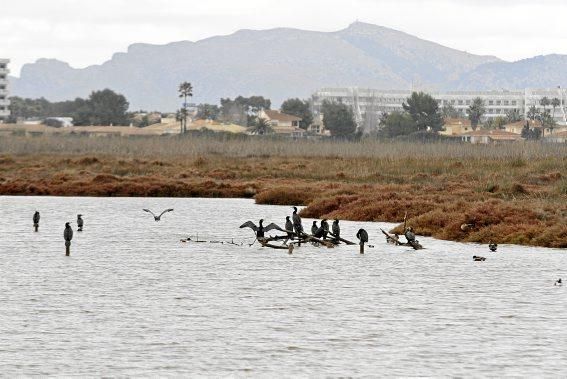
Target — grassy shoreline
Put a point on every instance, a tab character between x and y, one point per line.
511	193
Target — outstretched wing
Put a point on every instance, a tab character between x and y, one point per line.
147	210
273	226
167	210
249	224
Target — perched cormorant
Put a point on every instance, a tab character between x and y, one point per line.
80	223
558	282
336	229
492	246
157	218
478	258
325	226
410	236
36	218
314	228
289	227
68	232
362	235
298	227
261	229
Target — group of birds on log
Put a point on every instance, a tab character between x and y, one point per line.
293	228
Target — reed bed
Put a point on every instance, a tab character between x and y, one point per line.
511	193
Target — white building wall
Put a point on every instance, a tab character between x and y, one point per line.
4	102
497	103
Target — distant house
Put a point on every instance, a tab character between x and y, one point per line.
456	126
282	123
317	127
490	136
518	126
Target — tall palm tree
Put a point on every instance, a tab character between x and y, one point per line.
544	102
185	90
533	113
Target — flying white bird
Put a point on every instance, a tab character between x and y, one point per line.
157	218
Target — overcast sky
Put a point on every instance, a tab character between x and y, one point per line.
85	32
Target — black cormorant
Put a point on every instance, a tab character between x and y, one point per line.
68	232
325	226
261	229
80	223
362	235
336	229
558	282
314	228
289	227
157	218
410	236
492	246
36	218
478	258
298	227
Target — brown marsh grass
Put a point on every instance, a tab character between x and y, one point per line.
511	193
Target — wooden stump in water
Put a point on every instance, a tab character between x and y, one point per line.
362	248
67	248
290	248
36	227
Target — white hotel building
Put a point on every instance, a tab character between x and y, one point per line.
497	103
4	102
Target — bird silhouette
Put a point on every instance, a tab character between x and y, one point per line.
336	229
289	227
261	229
314	228
362	235
80	223
298	227
157	218
68	232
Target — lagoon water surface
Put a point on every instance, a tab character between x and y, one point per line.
133	300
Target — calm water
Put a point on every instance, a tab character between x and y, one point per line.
133	300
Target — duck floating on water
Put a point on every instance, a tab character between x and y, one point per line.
477	258
558	282
492	246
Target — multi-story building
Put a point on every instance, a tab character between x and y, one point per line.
497	103
4	102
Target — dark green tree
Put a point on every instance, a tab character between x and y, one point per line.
513	116
533	113
299	108
475	111
185	90
397	124
338	119
208	111
424	110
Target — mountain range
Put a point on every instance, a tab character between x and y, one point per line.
282	63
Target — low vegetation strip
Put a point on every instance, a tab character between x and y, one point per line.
509	193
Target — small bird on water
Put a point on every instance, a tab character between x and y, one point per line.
492	246
80	223
157	218
558	282
477	258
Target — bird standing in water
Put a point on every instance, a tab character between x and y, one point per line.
68	233
157	218
362	235
36	220
298	227
80	223
289	227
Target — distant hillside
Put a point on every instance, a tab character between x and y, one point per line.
282	63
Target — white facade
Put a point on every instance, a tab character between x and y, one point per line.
4	102
497	103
